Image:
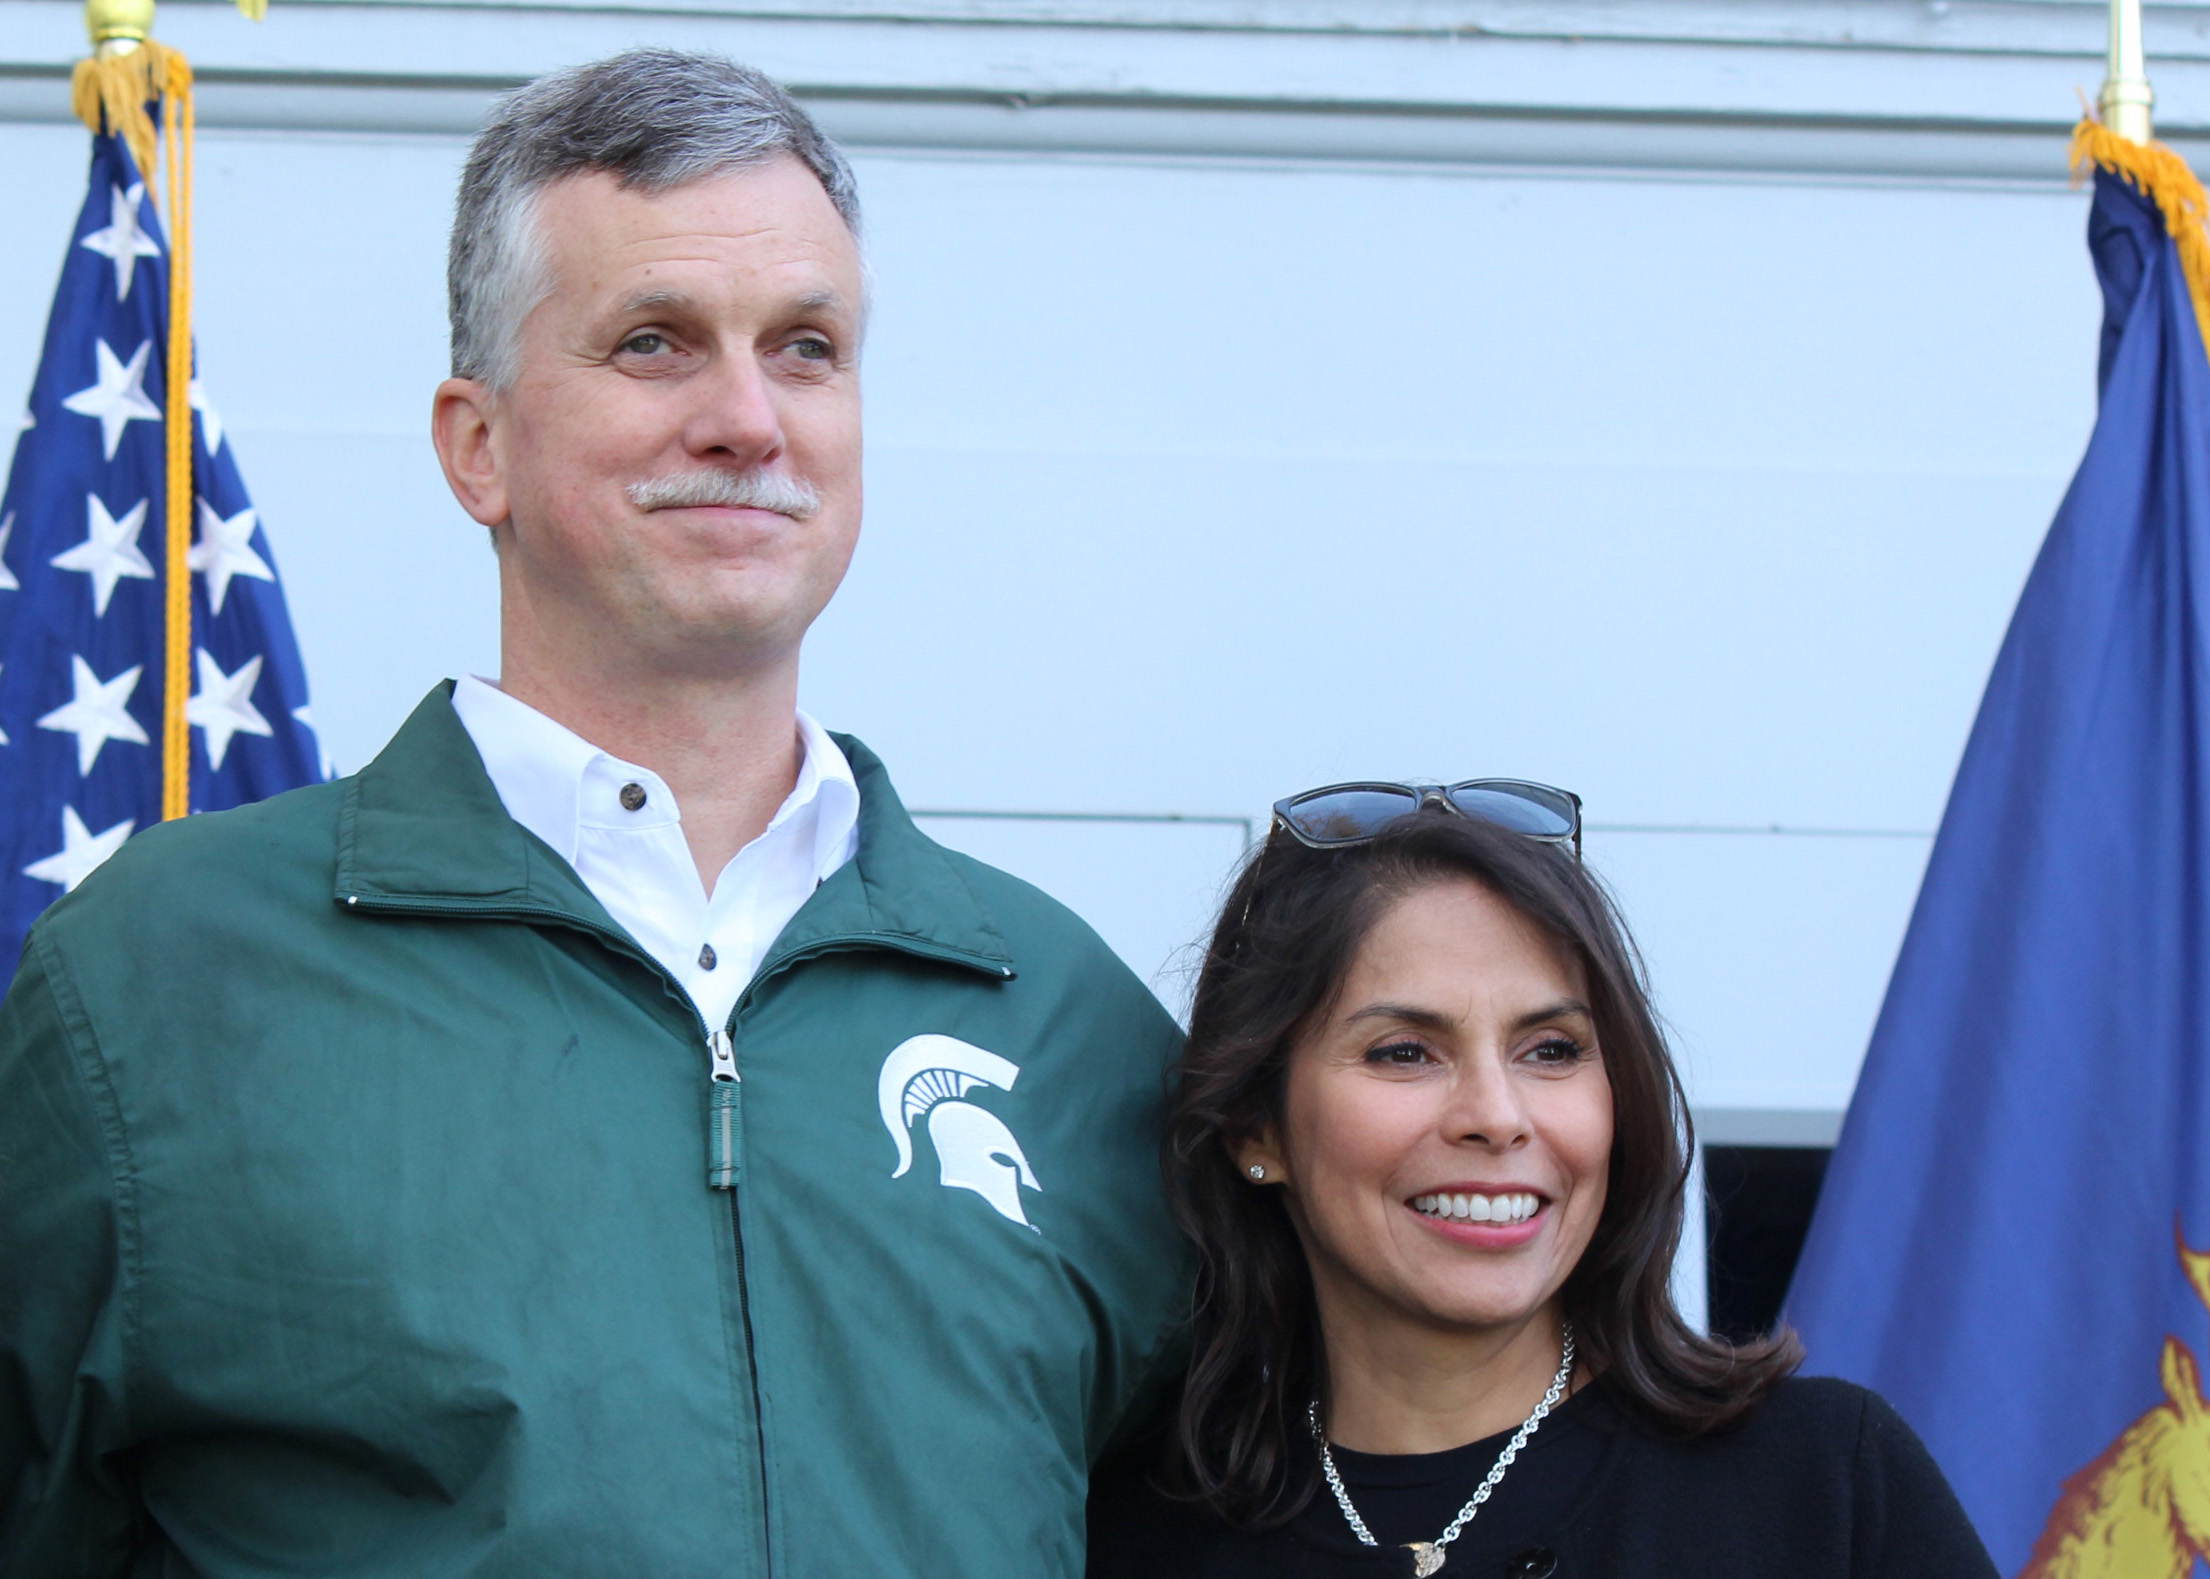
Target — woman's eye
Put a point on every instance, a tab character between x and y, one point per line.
1398	1055
1556	1052
646	344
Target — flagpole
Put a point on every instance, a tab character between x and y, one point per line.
127	71
2126	95
127	66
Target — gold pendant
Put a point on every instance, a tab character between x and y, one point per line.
1427	1558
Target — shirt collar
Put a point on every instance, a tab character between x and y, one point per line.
825	780
536	765
421	831
540	769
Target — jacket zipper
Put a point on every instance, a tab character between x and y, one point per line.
725	1138
725	1082
725	1089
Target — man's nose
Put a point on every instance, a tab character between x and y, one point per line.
735	419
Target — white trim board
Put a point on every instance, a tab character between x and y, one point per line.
1944	89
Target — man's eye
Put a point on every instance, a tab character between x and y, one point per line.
647	344
1397	1055
814	349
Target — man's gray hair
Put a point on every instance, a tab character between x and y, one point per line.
653	119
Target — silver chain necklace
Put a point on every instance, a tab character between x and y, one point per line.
1427	1556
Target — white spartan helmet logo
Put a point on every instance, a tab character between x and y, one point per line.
974	1150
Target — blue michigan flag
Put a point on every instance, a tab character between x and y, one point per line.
2003	1244
81	605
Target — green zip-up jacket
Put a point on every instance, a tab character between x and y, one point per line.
370	1203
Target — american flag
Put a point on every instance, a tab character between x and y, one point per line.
81	608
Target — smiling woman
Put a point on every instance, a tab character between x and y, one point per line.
1431	1149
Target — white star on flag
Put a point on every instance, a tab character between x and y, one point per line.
306	717
123	243
224	706
109	551
81	851
119	396
225	549
211	421
98	712
8	583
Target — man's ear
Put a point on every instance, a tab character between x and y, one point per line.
1263	1152
461	428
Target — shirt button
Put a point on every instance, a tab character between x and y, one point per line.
1537	1562
706	957
633	796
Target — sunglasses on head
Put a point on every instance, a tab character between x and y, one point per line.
1345	814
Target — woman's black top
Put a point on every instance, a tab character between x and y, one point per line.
1822	1481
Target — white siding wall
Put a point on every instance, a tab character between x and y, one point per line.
1695	468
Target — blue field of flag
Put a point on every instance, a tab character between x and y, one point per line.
81	600
2003	1243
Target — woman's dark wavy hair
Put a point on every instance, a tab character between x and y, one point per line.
1287	935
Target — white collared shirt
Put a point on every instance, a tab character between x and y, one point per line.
631	854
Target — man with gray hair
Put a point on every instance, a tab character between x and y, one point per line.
603	1136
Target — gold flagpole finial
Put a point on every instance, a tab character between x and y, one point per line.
118	26
2126	95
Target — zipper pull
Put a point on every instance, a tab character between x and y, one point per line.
726	1088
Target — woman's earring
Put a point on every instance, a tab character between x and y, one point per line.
1256	1171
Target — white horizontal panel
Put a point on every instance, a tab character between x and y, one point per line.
1768	955
1277	314
1151	889
1802	650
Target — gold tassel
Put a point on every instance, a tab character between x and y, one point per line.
2160	175
111	92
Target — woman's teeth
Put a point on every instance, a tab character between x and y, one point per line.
1478	1208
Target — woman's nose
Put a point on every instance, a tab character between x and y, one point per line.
1486	1107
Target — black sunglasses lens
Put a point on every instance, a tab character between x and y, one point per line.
1337	816
1526	810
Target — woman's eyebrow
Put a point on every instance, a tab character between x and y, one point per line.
1435	1020
1564	1008
1431	1019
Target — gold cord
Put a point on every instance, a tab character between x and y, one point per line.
176	734
2160	175
111	92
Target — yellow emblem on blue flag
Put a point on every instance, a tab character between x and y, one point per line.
2141	1510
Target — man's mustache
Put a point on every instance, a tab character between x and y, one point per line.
756	489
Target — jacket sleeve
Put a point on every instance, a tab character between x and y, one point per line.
65	1509
1909	1522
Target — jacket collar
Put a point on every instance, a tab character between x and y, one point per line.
422	829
